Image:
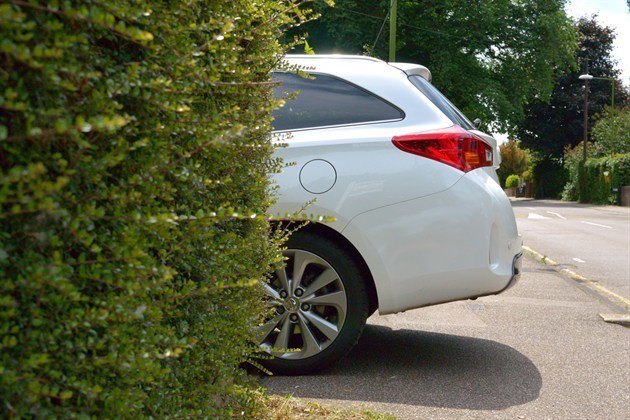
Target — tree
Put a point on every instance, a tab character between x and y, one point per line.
612	132
514	160
552	125
489	57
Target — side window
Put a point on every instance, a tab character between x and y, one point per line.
439	100
323	101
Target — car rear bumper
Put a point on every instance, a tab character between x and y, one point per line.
457	244
516	271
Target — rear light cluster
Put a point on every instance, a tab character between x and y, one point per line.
453	146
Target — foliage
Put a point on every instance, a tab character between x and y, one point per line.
551	125
548	177
612	138
612	131
514	160
490	57
134	161
555	125
605	176
512	181
572	162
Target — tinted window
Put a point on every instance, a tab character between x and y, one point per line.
324	101
439	100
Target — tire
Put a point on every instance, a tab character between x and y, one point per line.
313	326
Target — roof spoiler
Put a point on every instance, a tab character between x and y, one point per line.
413	70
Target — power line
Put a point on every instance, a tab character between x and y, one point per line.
380	31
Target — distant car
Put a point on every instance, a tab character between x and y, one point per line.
420	218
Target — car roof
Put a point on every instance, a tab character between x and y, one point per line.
315	62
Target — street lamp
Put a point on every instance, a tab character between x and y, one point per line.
586	77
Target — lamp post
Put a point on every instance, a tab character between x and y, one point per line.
586	78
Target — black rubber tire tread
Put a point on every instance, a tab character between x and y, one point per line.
354	284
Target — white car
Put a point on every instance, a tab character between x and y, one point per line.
420	218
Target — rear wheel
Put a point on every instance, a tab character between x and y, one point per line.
320	306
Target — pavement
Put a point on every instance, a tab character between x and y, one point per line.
539	351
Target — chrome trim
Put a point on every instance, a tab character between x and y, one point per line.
321	127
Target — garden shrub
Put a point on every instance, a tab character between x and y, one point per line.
134	161
601	189
514	160
599	160
512	181
573	164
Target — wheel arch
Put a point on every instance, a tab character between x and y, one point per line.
331	234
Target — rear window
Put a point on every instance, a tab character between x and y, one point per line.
439	100
324	101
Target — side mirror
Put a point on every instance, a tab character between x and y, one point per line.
476	122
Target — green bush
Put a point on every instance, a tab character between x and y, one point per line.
134	161
602	189
573	158
512	181
514	160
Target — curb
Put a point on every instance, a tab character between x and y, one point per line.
593	285
621	319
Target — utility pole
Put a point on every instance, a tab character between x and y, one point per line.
392	30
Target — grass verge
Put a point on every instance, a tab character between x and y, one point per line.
276	407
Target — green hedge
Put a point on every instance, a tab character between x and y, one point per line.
134	153
599	188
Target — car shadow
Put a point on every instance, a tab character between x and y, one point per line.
422	368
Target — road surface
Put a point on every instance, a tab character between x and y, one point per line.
593	241
538	351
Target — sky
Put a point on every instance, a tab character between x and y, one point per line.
612	13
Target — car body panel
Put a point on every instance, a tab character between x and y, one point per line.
371	173
456	244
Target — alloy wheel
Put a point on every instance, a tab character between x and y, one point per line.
309	307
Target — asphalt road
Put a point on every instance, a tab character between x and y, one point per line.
538	351
593	241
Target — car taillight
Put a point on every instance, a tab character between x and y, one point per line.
453	146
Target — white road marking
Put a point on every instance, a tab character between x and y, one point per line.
557	214
596	224
536	216
578	260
